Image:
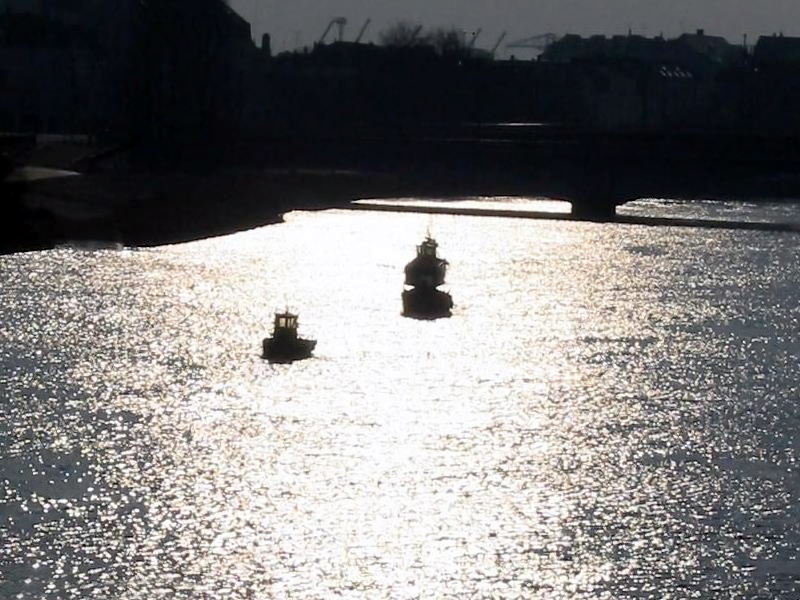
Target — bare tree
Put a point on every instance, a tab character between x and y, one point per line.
448	41
401	34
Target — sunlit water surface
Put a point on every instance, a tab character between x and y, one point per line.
611	412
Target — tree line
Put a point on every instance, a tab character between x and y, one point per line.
447	41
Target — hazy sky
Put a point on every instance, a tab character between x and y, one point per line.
300	22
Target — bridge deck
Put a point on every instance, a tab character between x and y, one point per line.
554	216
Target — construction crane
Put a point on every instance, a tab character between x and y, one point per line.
475	35
340	22
536	42
497	43
363	29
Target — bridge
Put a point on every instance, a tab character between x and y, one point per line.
594	171
217	188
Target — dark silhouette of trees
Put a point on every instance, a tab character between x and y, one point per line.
447	41
401	34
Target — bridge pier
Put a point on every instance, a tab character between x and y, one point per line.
600	211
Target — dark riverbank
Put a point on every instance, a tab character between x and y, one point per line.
166	209
157	208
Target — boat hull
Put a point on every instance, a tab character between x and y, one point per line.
426	303
285	351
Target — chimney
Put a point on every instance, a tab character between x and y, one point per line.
266	44
701	32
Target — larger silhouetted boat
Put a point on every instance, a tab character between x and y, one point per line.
285	345
423	276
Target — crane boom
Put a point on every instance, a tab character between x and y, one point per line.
474	37
537	42
363	29
338	21
497	43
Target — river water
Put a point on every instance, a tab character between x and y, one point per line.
612	412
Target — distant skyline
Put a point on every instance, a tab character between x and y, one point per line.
301	22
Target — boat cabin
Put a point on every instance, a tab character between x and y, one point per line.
285	324
427	248
285	345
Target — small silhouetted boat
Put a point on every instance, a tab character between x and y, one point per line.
285	346
424	275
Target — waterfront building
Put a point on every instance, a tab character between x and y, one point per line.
776	50
94	67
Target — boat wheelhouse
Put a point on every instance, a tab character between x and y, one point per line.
285	345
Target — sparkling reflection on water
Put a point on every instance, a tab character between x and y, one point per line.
611	413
